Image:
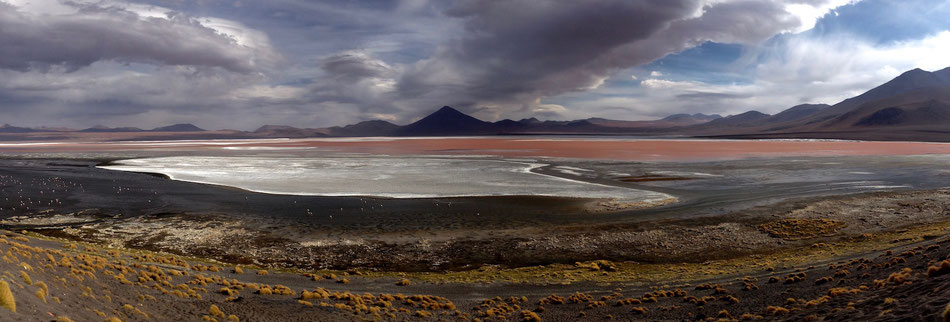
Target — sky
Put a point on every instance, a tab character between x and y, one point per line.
242	64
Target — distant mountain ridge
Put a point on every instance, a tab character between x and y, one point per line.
7	128
178	128
446	121
171	128
913	106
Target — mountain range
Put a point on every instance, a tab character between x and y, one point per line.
912	106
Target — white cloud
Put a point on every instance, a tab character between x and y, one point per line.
799	70
654	83
808	12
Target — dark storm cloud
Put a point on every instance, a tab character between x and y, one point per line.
515	52
512	48
95	33
352	67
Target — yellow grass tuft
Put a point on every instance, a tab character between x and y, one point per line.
215	311
776	310
26	278
262	272
529	316
404	282
63	319
41	295
233	318
6	297
307	303
946	313
112	319
238	270
900	277
43	286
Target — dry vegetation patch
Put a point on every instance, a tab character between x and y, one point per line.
795	228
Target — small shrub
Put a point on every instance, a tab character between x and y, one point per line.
404	282
215	311
43	286
529	316
596	304
6	297
262	272
41	295
580	297
747	286
823	280
904	275
941	268
776	310
730	299
553	299
26	278
423	314
628	301
238	270
724	314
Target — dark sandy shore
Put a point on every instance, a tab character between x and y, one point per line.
887	276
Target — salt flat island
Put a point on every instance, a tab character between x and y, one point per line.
387	177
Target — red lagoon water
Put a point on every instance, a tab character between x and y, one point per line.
583	148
